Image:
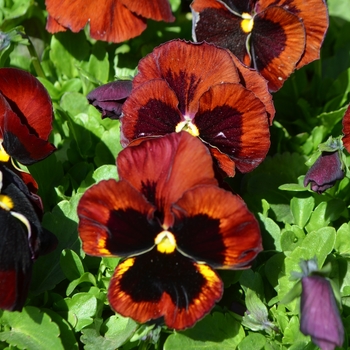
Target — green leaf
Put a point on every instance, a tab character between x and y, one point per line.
273	230
30	329
85	277
254	341
342	242
301	209
71	264
105	172
62	222
215	332
290	239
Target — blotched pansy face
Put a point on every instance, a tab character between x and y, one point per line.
275	37
25	117
172	224
198	88
110	20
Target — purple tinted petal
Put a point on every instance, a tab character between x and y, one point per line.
109	98
319	313
324	172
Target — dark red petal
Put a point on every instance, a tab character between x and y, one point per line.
254	82
158	10
164	168
168	286
277	41
150	110
234	120
346	129
28	99
52	26
190	69
315	19
216	23
224	162
110	21
215	226
116	220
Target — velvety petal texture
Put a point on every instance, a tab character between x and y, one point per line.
325	172
274	37
198	88
25	116
112	20
319	313
346	129
22	240
172	223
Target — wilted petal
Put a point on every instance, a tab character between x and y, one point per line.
155	285
325	172
223	236
164	168
109	98
319	313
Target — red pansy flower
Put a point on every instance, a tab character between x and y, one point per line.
273	36
25	117
172	224
199	88
110	20
346	129
22	240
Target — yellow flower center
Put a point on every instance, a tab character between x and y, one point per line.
6	202
188	126
247	22
4	157
165	242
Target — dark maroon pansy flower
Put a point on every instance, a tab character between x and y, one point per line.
325	172
109	20
199	88
109	98
22	240
346	129
319	313
25	117
172	225
273	36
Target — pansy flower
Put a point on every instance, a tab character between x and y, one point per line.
25	117
172	225
22	240
273	36
110	20
204	90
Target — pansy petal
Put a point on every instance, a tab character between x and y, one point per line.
163	168
223	161
254	82
234	120
189	69
18	141
52	26
346	129
315	19
150	110
222	235
28	99
169	286
116	220
110	21
158	10
277	41
216	23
